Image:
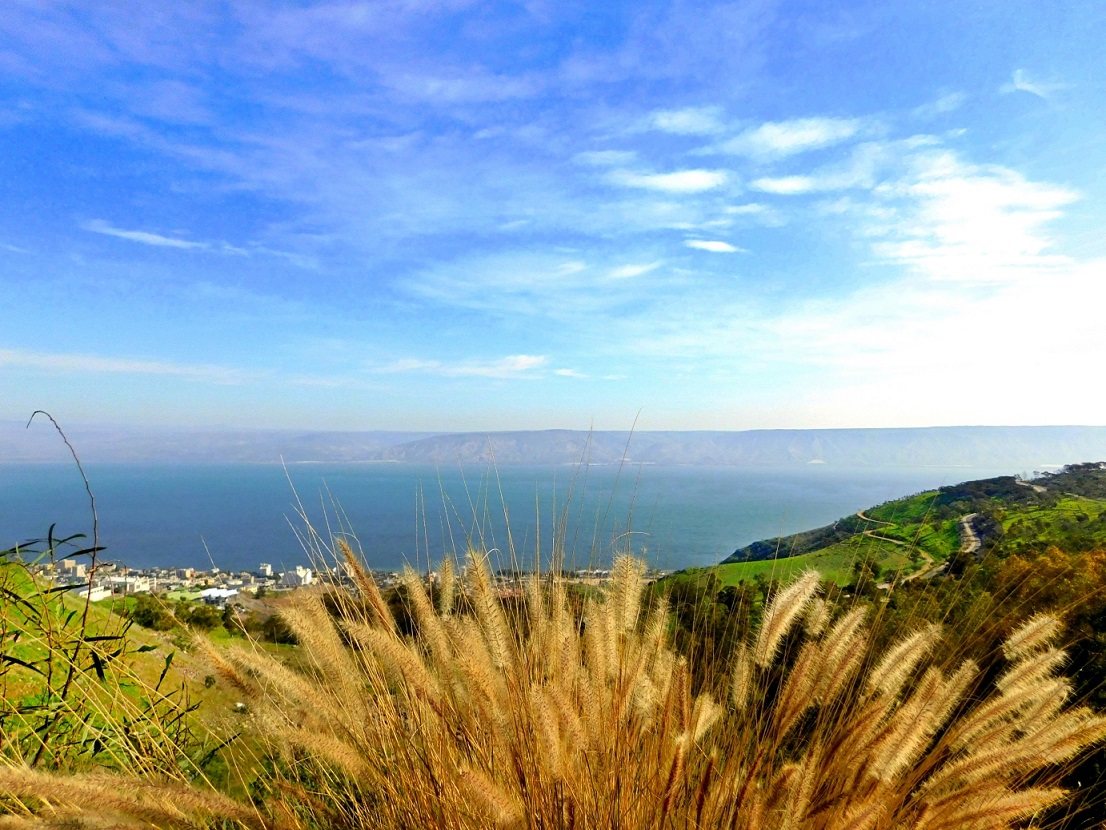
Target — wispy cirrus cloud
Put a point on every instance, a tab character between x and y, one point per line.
606	158
715	246
158	240
511	366
97	364
1022	82
779	139
516	282
862	169
625	272
680	181
688	121
787	185
143	237
950	102
520	283
802	184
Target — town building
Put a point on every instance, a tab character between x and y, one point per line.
296	579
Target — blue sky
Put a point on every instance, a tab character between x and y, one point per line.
454	215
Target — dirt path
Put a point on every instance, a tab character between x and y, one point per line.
930	566
860	514
969	542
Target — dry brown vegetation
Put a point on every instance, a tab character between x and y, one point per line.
561	715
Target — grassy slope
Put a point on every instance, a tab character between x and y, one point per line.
104	618
834	562
1070	512
216	714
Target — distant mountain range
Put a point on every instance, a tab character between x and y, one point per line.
1026	448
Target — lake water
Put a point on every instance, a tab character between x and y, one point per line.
238	516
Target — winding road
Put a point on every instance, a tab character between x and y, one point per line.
930	568
969	543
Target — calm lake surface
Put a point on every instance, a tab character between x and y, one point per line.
238	516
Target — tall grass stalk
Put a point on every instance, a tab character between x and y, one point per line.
553	716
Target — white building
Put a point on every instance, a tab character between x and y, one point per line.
218	596
296	579
265	569
94	593
129	584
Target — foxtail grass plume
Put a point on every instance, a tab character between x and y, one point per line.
551	716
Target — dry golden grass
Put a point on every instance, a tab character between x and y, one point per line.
561	720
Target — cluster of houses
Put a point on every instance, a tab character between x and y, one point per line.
214	586
218	587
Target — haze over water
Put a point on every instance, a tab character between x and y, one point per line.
238	516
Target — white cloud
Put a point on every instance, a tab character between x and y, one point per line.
687	121
222	247
95	364
605	158
571	267
1021	82
470	86
751	209
624	272
713	245
864	168
569	373
144	237
859	173
778	139
977	266
511	366
954	221
511	283
889	347
945	104
13	248
785	185
681	181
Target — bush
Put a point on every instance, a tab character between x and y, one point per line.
203	617
150	612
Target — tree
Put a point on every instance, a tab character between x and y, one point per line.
203	617
231	622
150	612
866	573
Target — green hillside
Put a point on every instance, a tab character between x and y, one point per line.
918	534
82	686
